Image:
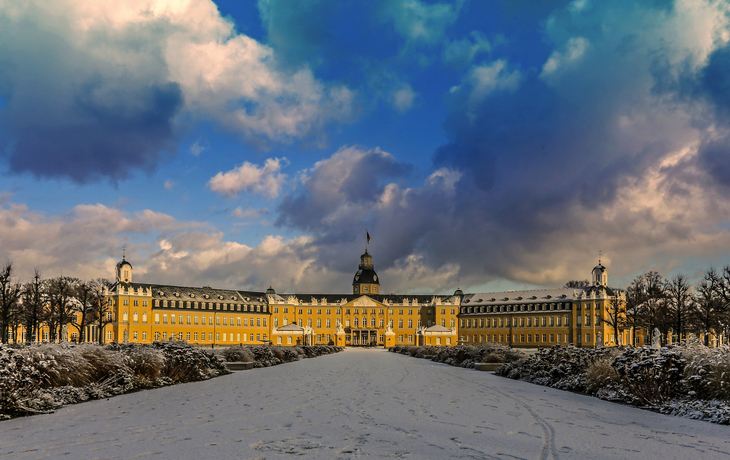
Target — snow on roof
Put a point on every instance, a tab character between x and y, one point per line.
526	296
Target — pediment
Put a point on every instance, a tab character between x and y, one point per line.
364	301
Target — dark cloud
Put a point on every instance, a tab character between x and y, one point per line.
100	137
350	179
553	168
70	113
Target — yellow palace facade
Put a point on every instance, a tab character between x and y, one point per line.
205	316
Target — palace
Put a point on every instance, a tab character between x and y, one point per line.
205	316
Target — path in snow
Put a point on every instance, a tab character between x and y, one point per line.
357	404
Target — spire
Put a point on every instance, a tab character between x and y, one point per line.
124	252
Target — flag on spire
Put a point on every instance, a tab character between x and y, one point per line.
368	235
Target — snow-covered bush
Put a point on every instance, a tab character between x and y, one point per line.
44	377
19	382
707	371
651	376
265	355
463	355
238	354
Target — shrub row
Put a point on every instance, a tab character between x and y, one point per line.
678	379
463	355
264	356
44	377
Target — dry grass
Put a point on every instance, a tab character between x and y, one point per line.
600	374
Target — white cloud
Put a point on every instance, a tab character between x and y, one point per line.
170	184
461	52
125	46
402	98
574	50
483	80
266	180
420	22
197	148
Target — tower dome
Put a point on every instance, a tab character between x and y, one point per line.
366	281
599	275
124	271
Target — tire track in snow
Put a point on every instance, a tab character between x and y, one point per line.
548	446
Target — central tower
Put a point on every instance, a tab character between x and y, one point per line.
366	280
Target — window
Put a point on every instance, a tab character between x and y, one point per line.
356	322
544	321
217	321
319	322
134	335
180	319
126	302
172	319
135	303
544	338
251	337
187	336
364	289
188	320
522	337
258	321
529	338
210	336
400	338
217	336
238	337
164	336
410	338
278	340
552	321
400	324
588	338
225	321
410	323
225	337
144	303
125	316
276	322
144	335
135	317
238	321
195	336
328	323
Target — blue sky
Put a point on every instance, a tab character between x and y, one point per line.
495	145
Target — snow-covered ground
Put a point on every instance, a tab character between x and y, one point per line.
359	404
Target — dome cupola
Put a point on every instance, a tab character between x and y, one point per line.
599	275
124	271
366	281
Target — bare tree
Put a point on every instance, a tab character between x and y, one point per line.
34	312
101	307
9	297
61	304
655	307
616	314
84	294
710	307
576	284
681	303
635	298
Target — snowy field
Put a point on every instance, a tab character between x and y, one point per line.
359	404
